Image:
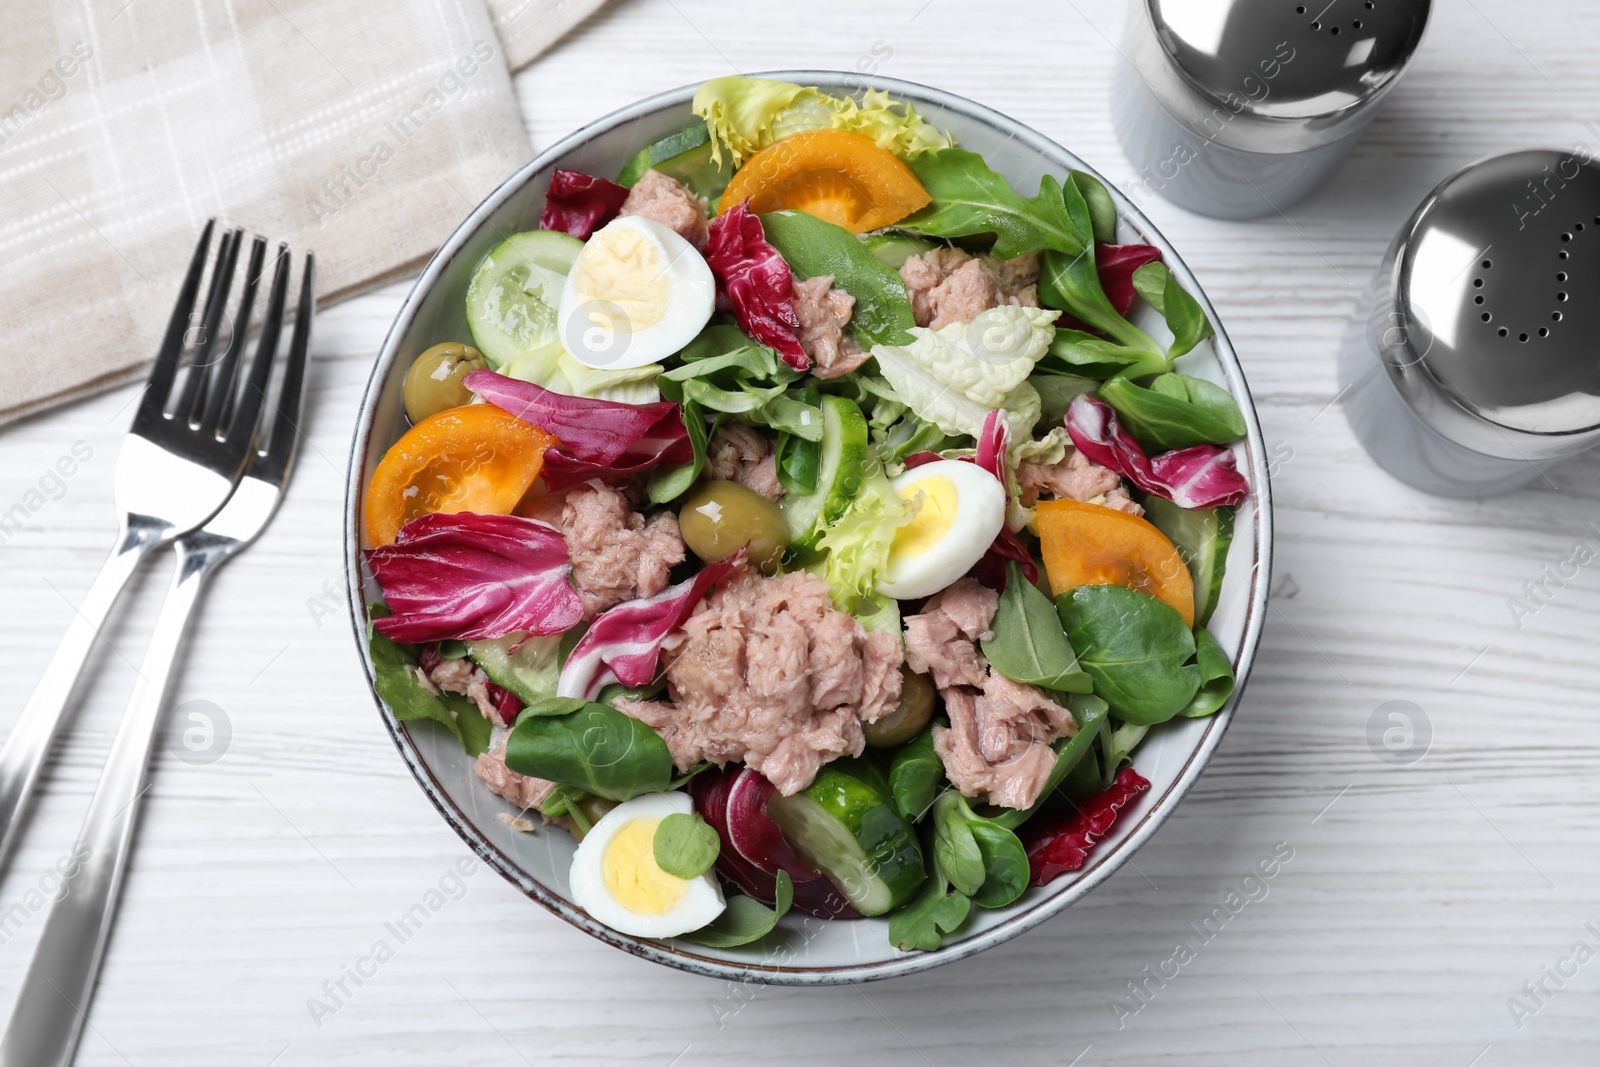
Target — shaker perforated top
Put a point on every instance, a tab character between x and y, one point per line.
1498	273
1307	65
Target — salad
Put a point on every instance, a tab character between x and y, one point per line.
806	524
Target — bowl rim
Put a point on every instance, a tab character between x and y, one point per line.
1100	867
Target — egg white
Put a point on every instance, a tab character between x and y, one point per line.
978	515
636	294
702	899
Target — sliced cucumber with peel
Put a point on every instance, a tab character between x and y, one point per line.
514	293
845	825
839	472
529	670
1202	538
684	156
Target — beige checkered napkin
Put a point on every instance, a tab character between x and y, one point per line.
360	129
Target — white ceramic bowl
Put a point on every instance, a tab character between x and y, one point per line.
810	952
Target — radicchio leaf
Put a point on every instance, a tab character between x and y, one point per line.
462	576
1200	477
580	204
595	438
623	644
1061	844
756	283
992	442
1115	265
506	704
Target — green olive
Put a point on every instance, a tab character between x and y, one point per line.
906	721
433	384
719	518
593	809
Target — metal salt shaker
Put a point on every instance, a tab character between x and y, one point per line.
1472	365
1238	108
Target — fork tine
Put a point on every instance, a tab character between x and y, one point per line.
203	358
246	413
165	368
220	389
285	432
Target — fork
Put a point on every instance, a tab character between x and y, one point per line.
172	474
50	1011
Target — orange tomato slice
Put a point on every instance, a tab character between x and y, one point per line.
836	175
476	458
1086	544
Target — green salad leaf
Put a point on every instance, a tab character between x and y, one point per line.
745	919
669	483
747	114
1091	714
971	199
1120	744
1175	411
979	857
814	247
1057	392
1029	645
915	775
936	910
1216	676
857	543
725	372
1102	209
588	746
396	679
685	845
553	367
1185	318
1136	648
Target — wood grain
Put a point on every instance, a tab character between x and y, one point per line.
1418	900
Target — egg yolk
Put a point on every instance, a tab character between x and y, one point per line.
632	878
624	266
934	516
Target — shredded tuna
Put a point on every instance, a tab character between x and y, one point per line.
767	671
1076	477
997	746
1119	500
617	555
737	453
824	312
520	789
667	201
467	678
946	285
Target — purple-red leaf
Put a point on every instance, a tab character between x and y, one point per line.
624	643
1061	844
1200	477
1115	265
580	204
596	438
756	282
464	575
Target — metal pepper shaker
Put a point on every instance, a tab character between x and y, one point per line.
1472	364
1238	108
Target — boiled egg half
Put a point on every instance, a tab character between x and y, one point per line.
636	294
960	510
615	877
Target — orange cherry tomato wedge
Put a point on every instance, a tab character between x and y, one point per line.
836	175
1086	544
476	458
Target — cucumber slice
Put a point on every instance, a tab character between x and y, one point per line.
895	248
1202	539
845	825
685	156
844	457
531	671
514	293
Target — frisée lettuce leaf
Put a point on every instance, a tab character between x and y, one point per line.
858	542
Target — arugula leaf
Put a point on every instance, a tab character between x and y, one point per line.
915	774
1216	676
1175	411
1102	209
395	680
669	483
1029	645
593	747
935	910
970	199
1136	648
745	919
685	845
813	247
1183	313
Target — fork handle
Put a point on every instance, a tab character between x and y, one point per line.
53	1005
28	744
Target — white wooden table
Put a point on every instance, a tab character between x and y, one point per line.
1418	901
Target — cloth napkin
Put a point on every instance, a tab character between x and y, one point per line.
362	130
